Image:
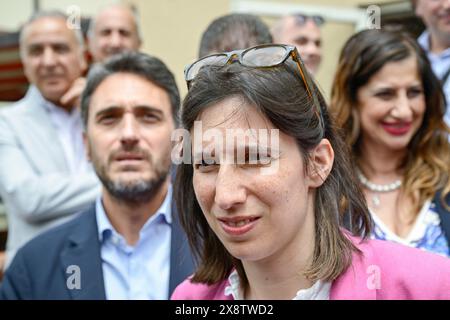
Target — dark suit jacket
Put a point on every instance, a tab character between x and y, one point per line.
444	214
40	268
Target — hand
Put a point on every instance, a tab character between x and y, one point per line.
72	98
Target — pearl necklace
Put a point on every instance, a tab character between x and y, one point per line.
377	188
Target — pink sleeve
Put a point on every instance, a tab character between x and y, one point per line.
183	291
387	270
199	291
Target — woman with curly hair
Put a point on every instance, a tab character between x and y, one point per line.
391	109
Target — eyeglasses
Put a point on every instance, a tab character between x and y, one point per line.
302	18
261	56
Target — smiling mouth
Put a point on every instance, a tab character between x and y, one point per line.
397	128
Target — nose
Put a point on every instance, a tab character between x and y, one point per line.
311	49
48	57
402	109
129	131
230	192
115	40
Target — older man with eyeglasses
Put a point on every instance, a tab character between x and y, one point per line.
304	32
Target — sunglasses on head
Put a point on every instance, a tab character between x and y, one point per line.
302	18
261	56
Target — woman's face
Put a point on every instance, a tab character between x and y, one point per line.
256	214
391	105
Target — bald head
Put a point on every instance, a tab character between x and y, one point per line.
304	33
113	30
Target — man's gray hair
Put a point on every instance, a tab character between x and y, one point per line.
50	14
134	13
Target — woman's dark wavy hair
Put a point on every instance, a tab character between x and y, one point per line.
427	163
280	95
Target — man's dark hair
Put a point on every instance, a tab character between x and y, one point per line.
232	32
140	64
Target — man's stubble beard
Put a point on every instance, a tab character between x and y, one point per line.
137	191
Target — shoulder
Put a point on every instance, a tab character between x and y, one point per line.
27	107
411	272
188	290
388	270
9	111
393	255
14	117
440	201
51	242
38	270
39	260
441	206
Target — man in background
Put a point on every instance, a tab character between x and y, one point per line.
304	32
435	40
45	177
233	32
113	30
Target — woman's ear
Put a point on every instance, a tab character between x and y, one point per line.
321	163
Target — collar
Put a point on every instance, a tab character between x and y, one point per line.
424	41
234	289
105	228
52	108
33	94
319	291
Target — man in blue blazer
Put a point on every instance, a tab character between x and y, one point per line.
129	245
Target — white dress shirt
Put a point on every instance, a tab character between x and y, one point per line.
69	128
139	272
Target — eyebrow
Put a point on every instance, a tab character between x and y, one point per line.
384	86
253	147
40	44
114	108
307	37
113	28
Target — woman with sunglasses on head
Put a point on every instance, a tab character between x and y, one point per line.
391	109
270	225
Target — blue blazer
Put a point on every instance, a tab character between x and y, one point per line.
39	270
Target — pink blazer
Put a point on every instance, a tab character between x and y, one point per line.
385	270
